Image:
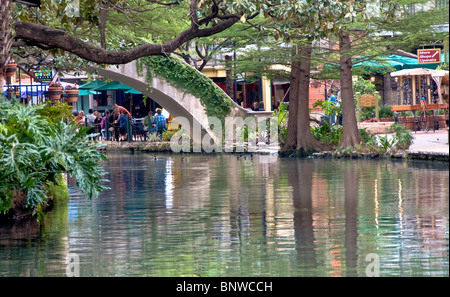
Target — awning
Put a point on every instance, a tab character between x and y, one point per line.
383	64
92	85
115	85
420	71
378	65
86	92
132	91
436	75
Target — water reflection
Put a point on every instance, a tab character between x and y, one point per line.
219	216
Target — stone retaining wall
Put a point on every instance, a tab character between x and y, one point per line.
376	127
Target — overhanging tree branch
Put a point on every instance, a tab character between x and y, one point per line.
43	36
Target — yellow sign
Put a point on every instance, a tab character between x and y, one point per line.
367	100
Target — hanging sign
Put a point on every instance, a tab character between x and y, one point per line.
44	74
429	56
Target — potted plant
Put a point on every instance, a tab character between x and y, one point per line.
72	93
11	67
55	90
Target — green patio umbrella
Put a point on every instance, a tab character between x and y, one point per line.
115	85
379	65
86	92
132	91
92	85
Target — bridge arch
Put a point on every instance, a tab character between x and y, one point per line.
178	102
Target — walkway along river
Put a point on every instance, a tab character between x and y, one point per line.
215	215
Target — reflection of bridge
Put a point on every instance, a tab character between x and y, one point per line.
177	102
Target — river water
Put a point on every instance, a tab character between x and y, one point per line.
214	215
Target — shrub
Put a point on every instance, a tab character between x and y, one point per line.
403	137
385	111
327	134
34	151
56	111
386	142
368	137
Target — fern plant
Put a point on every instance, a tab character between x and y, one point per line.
34	150
403	136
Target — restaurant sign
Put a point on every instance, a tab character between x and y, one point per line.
44	74
429	56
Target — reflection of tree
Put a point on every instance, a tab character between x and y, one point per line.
351	186
300	177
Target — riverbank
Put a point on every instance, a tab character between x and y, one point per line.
431	146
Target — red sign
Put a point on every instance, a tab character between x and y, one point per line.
428	56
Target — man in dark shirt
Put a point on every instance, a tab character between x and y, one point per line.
123	122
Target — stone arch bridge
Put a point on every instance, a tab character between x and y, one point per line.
177	102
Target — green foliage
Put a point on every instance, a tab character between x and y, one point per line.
214	100
386	111
403	136
59	192
34	150
386	142
328	107
153	137
282	116
364	86
368	137
167	135
330	134
56	111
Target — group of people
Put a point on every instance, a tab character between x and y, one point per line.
93	119
117	123
155	122
256	105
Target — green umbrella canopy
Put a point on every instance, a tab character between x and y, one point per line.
379	65
86	92
115	85
412	63
132	91
408	63
92	85
390	63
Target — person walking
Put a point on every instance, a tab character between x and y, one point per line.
332	99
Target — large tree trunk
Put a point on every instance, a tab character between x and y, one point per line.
299	134
350	132
291	137
305	139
